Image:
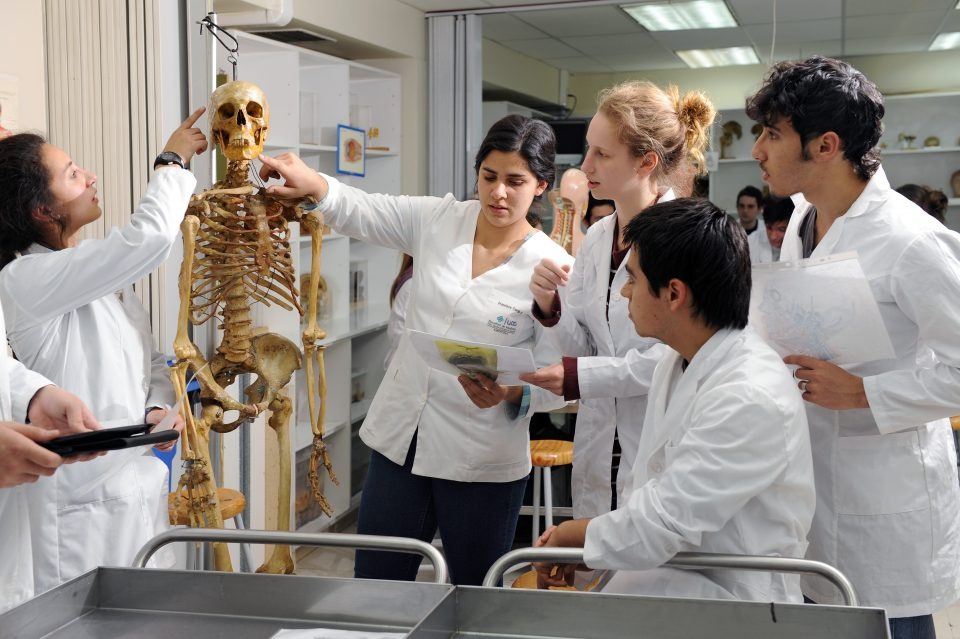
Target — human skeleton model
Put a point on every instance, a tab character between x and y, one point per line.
236	252
569	206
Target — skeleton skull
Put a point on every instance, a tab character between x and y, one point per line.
239	119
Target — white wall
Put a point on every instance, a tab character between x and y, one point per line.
21	55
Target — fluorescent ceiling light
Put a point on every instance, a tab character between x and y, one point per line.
946	41
699	58
681	15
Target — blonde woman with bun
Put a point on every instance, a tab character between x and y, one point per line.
642	140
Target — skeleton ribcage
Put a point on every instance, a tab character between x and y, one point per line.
242	249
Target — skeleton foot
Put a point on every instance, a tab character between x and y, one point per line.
280	562
318	454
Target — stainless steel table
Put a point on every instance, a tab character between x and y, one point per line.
142	603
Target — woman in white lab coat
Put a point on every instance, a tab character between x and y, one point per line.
638	139
73	317
449	453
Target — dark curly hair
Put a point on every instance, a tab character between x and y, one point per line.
820	95
532	139
24	188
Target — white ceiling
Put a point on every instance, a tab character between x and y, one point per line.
598	39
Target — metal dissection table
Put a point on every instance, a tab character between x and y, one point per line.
145	603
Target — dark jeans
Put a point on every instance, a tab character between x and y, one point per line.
913	628
477	520
906	627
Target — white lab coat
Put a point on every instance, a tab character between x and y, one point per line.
761	252
614	369
724	466
455	439
17	386
67	321
888	500
397	321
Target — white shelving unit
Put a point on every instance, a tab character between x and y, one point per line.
309	95
921	115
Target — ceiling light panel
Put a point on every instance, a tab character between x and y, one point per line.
681	15
702	58
946	41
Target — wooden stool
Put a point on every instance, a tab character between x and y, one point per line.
544	454
529	580
232	504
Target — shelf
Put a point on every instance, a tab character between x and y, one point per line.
317	148
358	410
309	149
736	160
923	151
363	320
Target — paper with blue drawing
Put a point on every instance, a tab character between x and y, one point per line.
821	307
503	364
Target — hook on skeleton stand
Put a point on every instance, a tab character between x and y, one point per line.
220	33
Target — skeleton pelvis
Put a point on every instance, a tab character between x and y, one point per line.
273	358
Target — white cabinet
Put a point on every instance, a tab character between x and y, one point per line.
921	115
309	95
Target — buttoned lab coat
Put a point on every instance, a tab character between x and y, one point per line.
614	369
888	500
455	439
18	385
67	321
724	466
759	244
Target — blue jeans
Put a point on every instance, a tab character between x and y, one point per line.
477	520
905	627
913	628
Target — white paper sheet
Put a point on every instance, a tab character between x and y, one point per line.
503	364
327	633
821	307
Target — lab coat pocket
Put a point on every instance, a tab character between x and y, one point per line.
509	321
880	474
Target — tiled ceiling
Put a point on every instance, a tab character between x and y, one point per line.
603	38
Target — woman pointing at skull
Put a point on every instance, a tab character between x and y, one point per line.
72	316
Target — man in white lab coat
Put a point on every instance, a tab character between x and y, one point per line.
888	500
765	245
724	462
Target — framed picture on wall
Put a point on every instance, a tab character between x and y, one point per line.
351	152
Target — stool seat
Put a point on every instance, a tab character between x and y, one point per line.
529	580
232	503
551	452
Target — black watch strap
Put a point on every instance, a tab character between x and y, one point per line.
167	158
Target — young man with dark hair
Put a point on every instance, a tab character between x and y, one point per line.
750	208
724	461
888	500
765	247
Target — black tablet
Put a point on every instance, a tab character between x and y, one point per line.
108	439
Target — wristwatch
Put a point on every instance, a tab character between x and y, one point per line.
168	158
